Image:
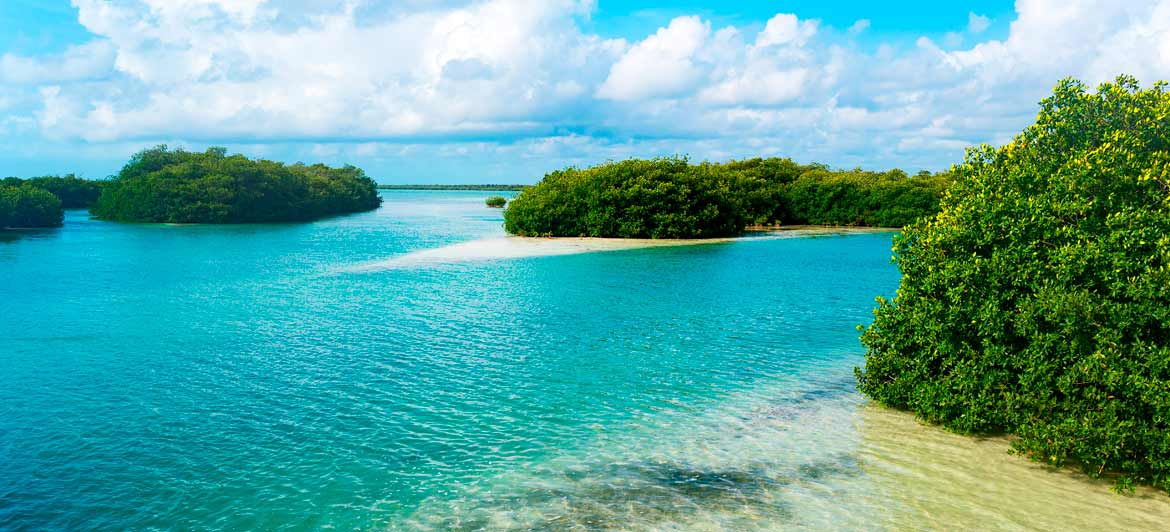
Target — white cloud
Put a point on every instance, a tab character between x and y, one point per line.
225	68
514	77
977	23
662	65
859	27
786	29
76	63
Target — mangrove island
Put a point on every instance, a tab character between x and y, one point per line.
178	186
672	198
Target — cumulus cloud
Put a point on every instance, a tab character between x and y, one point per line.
786	29
662	65
230	68
977	23
76	63
522	79
859	27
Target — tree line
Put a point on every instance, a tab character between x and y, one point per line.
74	192
27	206
41	201
673	198
178	186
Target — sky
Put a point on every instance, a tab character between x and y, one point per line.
503	91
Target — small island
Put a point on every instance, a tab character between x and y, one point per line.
177	186
672	198
496	202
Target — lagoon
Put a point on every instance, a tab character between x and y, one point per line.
280	377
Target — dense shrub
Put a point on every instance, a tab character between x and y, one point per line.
1038	301
671	198
161	185
28	206
74	192
875	199
660	198
496	201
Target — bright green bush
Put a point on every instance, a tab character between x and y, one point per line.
671	198
27	206
1038	301
161	185
496	201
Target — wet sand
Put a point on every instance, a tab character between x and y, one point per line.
783	458
516	247
944	481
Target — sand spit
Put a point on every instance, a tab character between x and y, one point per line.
516	247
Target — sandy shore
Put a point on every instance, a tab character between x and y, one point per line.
515	247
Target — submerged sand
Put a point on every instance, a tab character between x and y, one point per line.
789	456
945	481
516	247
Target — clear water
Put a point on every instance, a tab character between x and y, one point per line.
236	378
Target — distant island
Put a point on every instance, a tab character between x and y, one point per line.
177	186
487	188
673	198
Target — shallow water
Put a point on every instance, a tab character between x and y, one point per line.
266	377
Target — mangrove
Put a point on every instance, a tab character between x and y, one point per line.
27	206
178	186
1036	303
672	198
74	192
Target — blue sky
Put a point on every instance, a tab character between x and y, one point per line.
506	90
905	19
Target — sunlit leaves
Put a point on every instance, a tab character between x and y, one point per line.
1038	300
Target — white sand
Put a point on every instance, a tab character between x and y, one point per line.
516	247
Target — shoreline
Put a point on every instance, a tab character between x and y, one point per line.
844	229
518	247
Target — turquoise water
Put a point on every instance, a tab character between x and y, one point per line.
240	377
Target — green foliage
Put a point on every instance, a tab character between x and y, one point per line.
496	201
671	198
876	199
1038	301
27	206
177	186
74	192
660	198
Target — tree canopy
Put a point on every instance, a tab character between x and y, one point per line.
177	186
672	198
1037	301
28	206
74	192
